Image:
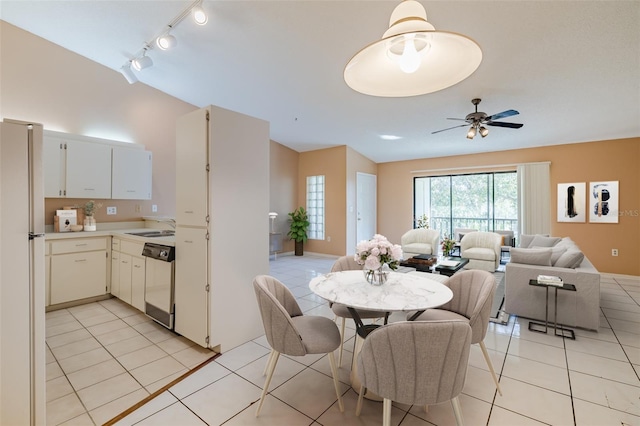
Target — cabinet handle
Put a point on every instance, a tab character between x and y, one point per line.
80	260
131	190
188	241
89	189
189	211
124	261
80	245
137	266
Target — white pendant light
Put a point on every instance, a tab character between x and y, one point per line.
412	58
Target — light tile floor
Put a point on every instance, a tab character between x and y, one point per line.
545	379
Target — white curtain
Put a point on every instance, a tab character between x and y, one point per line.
534	198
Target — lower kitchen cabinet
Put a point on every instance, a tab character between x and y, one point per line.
78	269
47	275
128	272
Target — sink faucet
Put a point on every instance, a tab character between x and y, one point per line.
169	221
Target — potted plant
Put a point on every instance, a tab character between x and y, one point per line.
298	229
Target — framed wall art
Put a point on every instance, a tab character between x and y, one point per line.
572	205
603	202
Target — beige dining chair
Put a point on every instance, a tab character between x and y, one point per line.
473	293
290	332
415	362
348	263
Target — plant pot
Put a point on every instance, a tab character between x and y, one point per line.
299	248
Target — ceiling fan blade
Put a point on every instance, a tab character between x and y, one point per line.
459	119
449	128
503	114
502	124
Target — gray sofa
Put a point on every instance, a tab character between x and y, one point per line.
543	255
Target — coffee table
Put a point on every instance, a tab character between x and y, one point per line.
422	262
450	270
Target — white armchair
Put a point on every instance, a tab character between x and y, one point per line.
482	249
419	241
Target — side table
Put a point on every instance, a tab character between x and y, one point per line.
558	330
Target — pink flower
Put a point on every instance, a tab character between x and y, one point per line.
372	262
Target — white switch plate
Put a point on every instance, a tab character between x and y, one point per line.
111	210
154	208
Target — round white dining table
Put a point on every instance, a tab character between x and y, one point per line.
401	292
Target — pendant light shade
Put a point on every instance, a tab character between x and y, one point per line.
412	58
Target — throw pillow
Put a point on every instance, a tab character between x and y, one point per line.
556	252
572	258
502	241
531	256
542	241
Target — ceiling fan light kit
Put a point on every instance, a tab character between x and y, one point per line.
412	58
164	41
479	119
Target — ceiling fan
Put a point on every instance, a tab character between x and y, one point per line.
478	120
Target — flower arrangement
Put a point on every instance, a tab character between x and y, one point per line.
447	245
422	221
90	207
376	252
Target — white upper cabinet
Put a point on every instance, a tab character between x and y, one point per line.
131	174
88	170
84	167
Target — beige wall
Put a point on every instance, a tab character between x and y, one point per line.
596	161
283	188
44	83
332	163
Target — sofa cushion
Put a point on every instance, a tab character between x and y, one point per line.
542	241
526	240
572	258
531	256
556	252
480	253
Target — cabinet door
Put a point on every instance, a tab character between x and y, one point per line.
192	153
191	296
125	278
115	273
137	282
88	170
131	174
78	275
53	159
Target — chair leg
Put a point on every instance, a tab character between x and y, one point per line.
341	341
266	366
457	411
334	373
272	367
490	365
386	412
360	395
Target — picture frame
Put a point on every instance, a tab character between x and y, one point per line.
603	202
572	202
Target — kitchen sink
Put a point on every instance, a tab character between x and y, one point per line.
153	234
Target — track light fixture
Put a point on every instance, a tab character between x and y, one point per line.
164	41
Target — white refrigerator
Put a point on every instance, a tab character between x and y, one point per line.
22	272
222	225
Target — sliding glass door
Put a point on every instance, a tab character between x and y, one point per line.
482	201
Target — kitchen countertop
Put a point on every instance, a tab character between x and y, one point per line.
120	233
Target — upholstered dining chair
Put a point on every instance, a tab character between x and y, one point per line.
347	263
415	362
473	293
290	332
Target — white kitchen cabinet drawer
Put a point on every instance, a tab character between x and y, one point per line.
78	245
132	248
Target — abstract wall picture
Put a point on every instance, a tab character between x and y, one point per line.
572	206
603	202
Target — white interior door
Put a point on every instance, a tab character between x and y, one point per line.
366	213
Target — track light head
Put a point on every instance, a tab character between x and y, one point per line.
483	131
128	74
142	62
166	41
199	15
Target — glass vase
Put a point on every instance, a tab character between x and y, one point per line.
376	276
89	223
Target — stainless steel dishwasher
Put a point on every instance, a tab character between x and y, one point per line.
159	283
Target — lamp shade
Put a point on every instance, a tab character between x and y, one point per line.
412	58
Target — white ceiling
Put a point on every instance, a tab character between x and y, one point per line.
571	68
